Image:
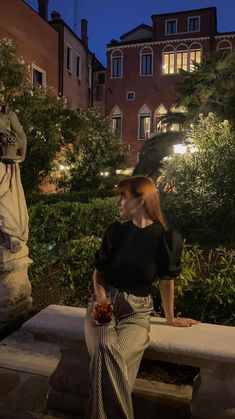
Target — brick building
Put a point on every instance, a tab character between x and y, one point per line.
36	40
59	58
143	68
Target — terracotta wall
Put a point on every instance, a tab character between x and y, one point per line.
76	91
37	42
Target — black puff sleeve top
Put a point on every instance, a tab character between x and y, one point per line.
132	257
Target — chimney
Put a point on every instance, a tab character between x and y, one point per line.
84	36
43	9
55	15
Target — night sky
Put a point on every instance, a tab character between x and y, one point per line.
109	19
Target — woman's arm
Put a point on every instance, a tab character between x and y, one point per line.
99	286
167	295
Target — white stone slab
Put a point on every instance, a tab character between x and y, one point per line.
203	341
61	321
208	341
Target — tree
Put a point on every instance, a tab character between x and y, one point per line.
199	186
209	88
40	111
153	152
94	155
82	141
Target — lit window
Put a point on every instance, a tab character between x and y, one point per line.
195	57
116	119
117	126
168	63
79	67
181	60
144	127
69	58
193	24
171	27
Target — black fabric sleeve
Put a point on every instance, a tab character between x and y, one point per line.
103	255
170	251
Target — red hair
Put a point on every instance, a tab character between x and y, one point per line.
142	186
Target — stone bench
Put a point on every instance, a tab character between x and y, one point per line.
210	347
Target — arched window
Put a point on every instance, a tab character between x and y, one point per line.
116	63
168	60
224	45
195	55
116	116
159	113
146	61
181	58
144	122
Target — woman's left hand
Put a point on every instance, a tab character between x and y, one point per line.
182	322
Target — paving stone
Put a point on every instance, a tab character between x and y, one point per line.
30	396
20	352
8	382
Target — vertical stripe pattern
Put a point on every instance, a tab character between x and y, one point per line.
116	350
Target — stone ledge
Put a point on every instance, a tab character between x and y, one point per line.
201	343
19	352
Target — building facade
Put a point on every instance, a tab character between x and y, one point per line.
143	69
75	64
36	40
57	56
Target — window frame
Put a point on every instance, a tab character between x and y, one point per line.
79	77
112	57
43	72
144	54
69	47
176	27
117	118
130	92
89	76
170	52
199	23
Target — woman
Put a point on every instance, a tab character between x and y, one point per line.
132	254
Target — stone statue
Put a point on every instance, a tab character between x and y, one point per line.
13	141
13	210
15	287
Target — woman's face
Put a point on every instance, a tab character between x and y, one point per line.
128	204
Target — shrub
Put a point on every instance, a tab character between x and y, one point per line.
81	196
197	188
64	221
77	265
206	286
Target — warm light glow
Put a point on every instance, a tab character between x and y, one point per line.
183	148
179	148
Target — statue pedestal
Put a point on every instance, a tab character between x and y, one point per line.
15	287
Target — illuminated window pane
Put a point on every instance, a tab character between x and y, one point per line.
181	61
117	126
144	127
168	63
195	56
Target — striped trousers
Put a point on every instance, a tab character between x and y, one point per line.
116	350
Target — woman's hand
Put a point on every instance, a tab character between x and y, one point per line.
182	322
102	311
